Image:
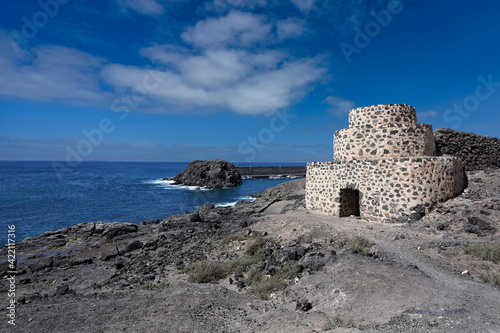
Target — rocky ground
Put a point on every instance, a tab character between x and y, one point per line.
275	268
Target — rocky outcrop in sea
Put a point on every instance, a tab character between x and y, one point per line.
215	174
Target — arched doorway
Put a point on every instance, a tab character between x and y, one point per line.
349	202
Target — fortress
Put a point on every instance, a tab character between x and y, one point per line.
384	166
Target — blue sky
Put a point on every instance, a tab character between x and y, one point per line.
241	80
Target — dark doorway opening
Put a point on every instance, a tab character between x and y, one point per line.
349	202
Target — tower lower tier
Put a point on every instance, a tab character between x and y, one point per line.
382	189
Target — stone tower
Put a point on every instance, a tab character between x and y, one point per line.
384	165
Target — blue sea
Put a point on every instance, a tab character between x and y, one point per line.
37	197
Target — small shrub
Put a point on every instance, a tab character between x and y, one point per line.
259	255
360	244
262	286
241	265
485	251
257	245
336	322
205	271
490	277
288	273
254	276
234	238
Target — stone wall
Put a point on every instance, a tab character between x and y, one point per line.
476	151
387	188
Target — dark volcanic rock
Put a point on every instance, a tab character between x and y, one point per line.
108	251
41	264
205	210
4	268
479	227
134	245
118	228
214	174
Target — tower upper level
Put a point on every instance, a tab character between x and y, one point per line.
382	115
382	132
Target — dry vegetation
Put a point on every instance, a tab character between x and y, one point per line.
360	244
263	286
485	251
205	271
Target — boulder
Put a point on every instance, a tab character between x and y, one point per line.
5	267
204	211
114	229
41	264
214	174
479	227
108	251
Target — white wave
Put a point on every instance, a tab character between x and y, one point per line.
247	198
226	204
232	203
158	181
169	184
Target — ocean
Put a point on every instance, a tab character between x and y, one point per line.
36	197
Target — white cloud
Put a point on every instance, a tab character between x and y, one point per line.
290	28
50	73
166	54
146	7
235	80
235	29
338	106
427	114
304	5
215	69
226	70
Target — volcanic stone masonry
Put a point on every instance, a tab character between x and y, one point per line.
384	166
477	152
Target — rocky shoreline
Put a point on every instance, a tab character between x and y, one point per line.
281	269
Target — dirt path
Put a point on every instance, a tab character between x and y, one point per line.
403	282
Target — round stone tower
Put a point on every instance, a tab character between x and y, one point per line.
384	166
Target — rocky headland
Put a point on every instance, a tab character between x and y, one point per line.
215	174
268	266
